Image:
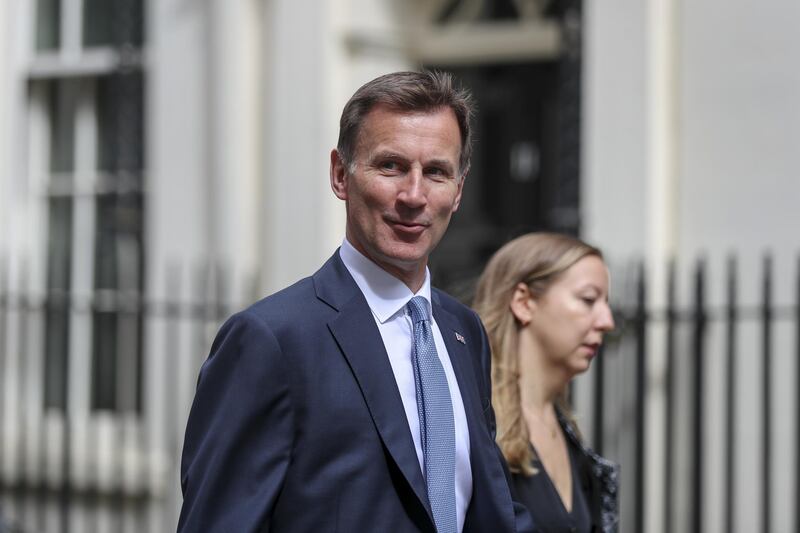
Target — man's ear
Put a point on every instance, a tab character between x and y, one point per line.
457	201
522	304
338	175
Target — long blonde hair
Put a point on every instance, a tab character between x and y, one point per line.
536	259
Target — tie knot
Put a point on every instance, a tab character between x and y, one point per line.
418	309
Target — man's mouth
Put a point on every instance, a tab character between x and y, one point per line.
410	227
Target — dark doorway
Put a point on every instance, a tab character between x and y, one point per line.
526	159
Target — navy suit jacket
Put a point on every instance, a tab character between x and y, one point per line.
297	423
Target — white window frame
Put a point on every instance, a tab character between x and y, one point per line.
109	431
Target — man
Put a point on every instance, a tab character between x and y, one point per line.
341	403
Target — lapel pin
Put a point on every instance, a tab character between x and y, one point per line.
460	338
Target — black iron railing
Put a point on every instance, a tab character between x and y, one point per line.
56	463
635	319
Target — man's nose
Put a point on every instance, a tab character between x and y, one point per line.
412	189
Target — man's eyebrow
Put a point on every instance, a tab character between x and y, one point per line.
439	163
386	154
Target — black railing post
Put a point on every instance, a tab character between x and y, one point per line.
200	283
669	455
766	445
65	491
698	355
172	323
42	493
731	317
4	304
92	431
173	319
797	396
23	423
64	302
641	377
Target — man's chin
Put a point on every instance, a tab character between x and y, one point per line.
403	258
408	255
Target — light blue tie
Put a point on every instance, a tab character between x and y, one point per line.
436	424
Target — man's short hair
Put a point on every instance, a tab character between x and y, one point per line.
424	91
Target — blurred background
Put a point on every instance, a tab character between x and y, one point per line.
164	163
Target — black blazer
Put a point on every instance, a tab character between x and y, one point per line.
297	423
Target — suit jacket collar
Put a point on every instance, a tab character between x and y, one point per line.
333	283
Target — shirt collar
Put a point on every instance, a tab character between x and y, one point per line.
385	294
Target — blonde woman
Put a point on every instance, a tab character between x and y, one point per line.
544	301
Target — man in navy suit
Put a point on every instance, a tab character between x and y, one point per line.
306	416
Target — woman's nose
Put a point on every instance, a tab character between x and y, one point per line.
605	319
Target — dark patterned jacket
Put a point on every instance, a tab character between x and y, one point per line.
603	479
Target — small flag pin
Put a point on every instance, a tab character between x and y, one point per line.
460	338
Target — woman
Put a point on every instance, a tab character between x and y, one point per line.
544	301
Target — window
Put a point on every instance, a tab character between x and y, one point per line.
86	90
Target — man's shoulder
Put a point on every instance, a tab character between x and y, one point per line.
301	297
294	299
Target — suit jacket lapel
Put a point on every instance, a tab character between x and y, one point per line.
488	480
360	341
461	359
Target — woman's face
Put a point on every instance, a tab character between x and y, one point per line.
569	319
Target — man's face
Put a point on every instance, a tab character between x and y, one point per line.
402	187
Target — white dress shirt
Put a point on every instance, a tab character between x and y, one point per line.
387	297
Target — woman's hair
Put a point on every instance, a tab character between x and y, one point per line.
536	259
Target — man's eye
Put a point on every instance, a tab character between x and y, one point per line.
390	165
436	173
